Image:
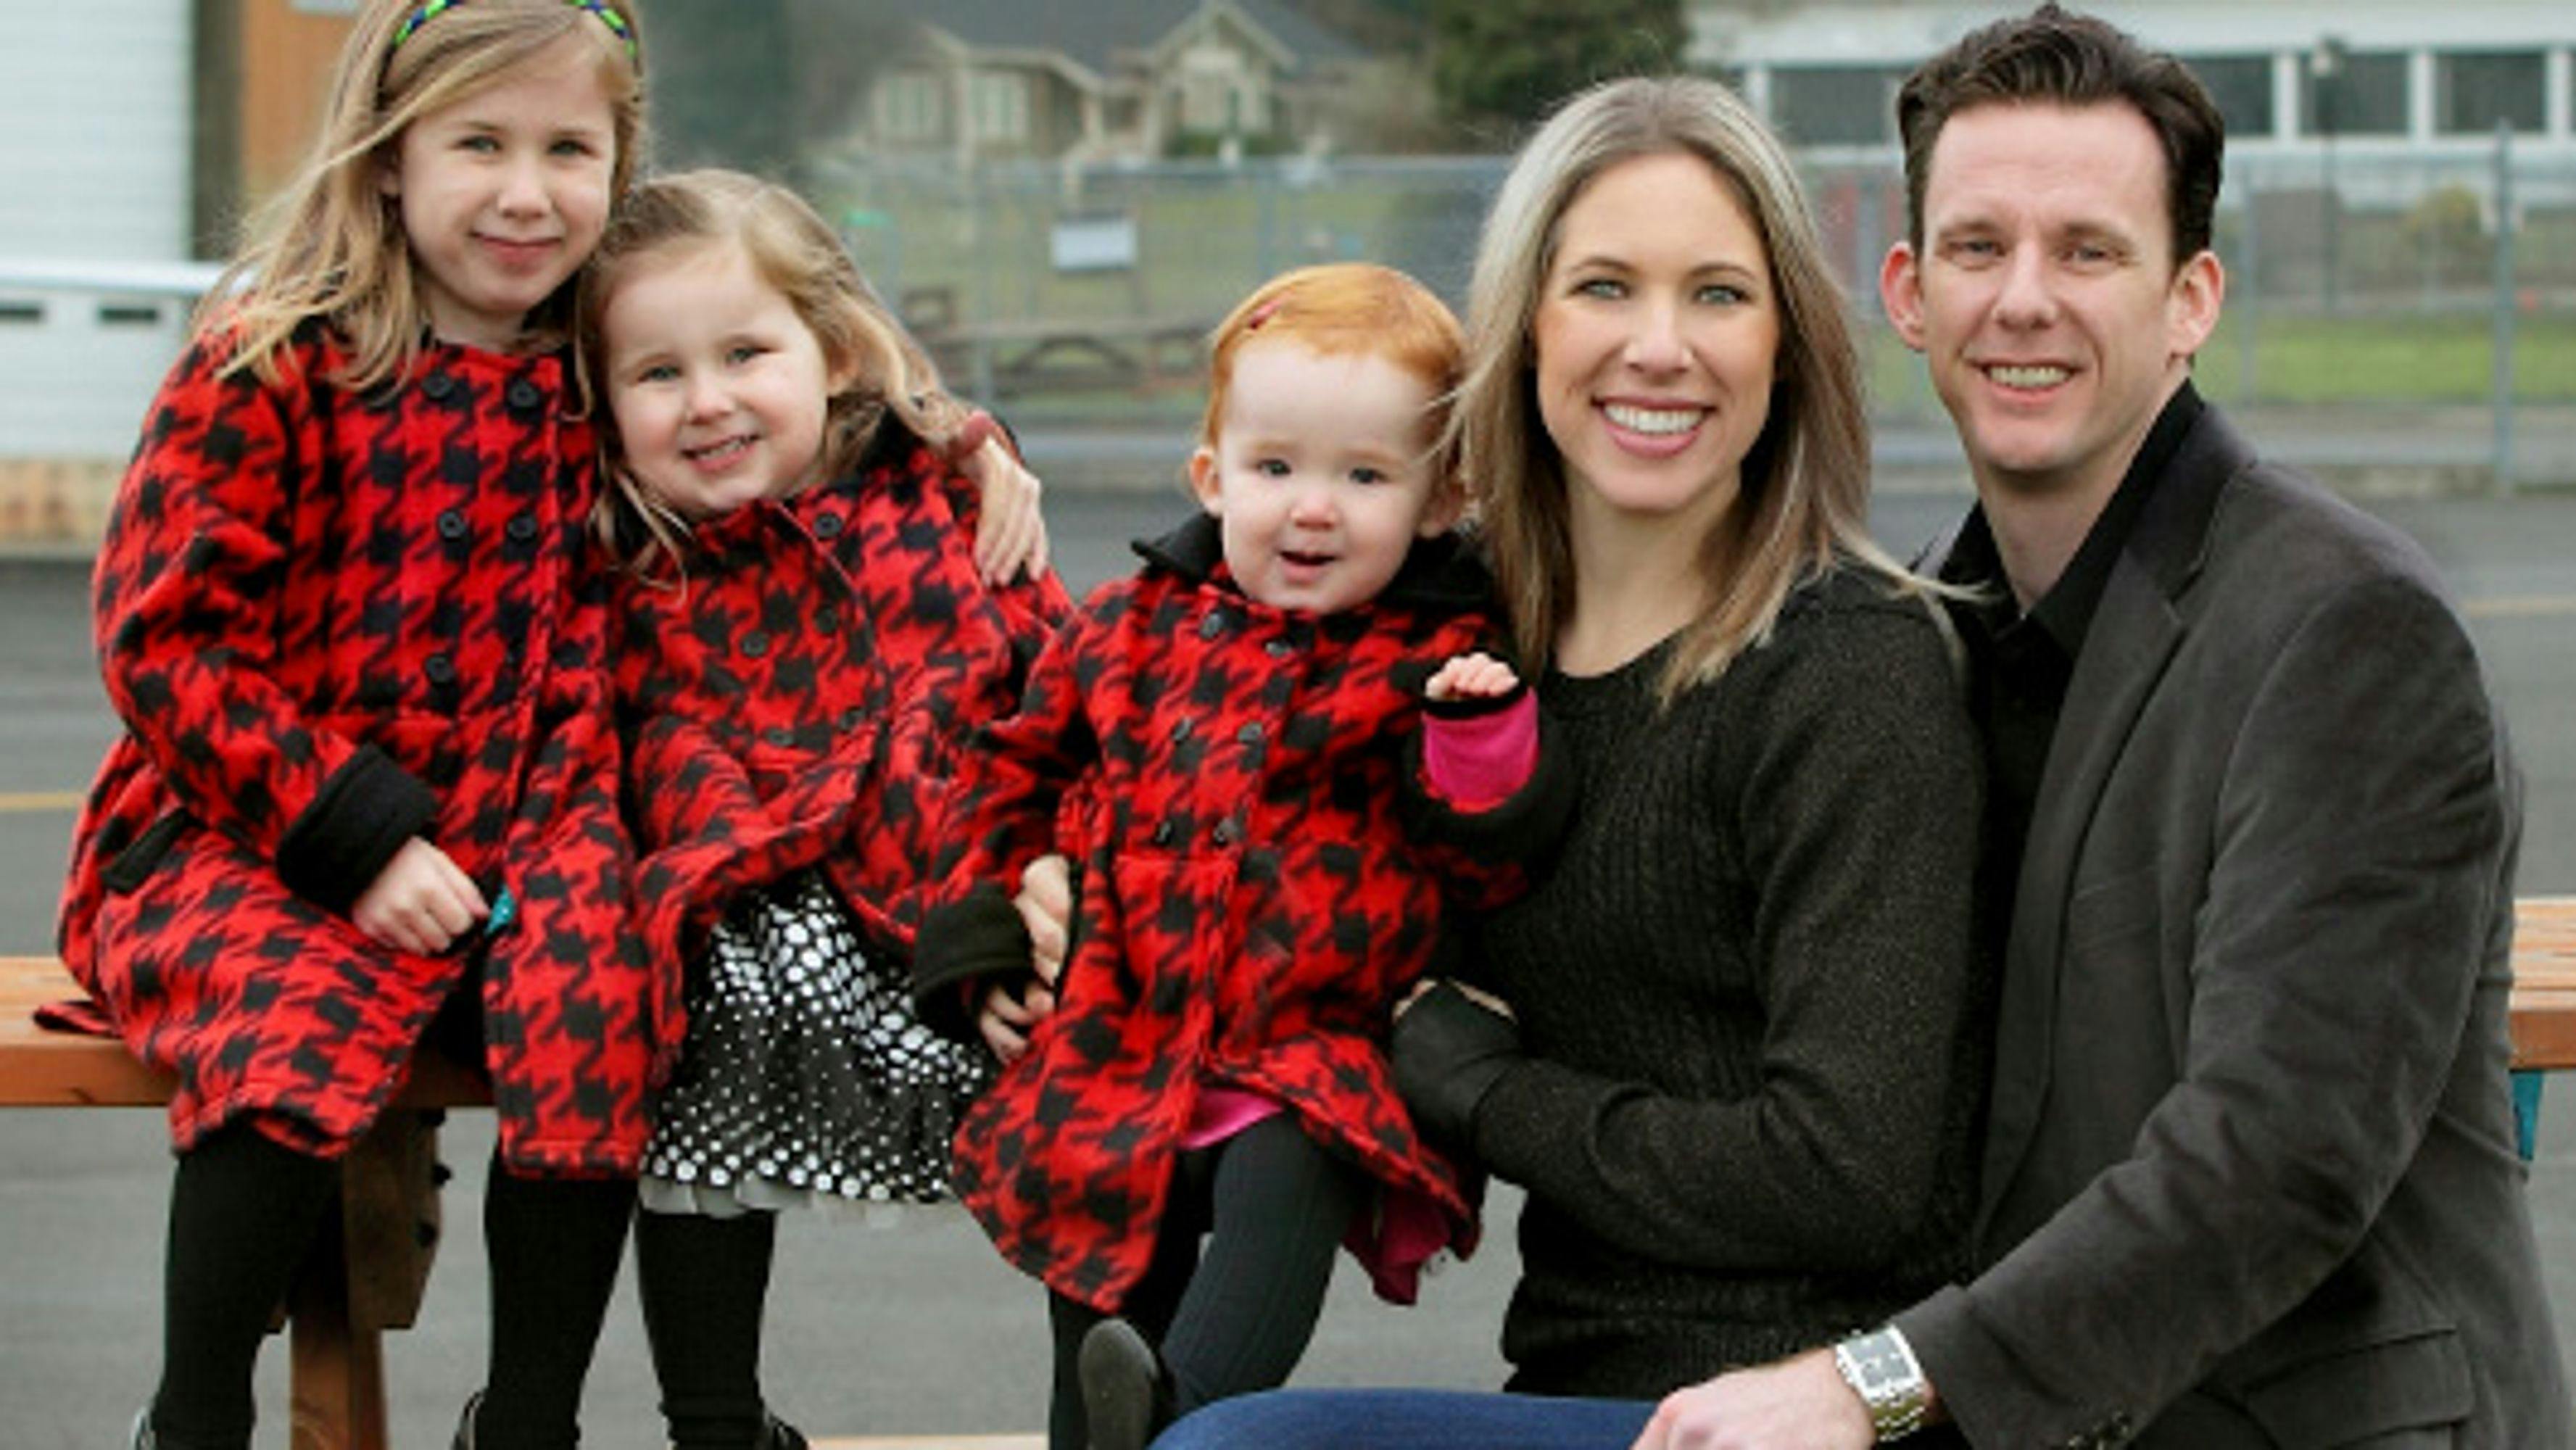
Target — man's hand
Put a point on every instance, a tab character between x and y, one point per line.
1796	1404
421	902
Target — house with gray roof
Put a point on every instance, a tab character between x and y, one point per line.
1093	80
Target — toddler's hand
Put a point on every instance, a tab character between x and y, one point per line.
1477	676
421	902
1045	905
1006	1019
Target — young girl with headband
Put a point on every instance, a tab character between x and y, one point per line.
366	797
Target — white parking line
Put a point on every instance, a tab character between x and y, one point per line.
2519	606
26	802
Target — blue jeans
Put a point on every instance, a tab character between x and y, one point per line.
1408	1420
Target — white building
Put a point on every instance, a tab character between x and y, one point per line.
2380	75
95	175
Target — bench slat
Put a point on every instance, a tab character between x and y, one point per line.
40	1068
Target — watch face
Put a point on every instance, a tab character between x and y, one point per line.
1882	1373
1879	1358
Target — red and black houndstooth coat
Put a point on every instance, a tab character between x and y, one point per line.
800	700
1250	905
332	621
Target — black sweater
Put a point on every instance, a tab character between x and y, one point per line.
1754	1012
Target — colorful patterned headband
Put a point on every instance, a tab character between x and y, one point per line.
607	14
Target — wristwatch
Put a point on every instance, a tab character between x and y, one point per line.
1880	1368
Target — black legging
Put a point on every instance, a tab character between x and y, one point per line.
704	1283
246	1212
1237	1316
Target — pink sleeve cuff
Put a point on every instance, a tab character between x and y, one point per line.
1476	762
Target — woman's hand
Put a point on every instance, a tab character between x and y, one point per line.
1475	676
1451	1044
1010	533
421	902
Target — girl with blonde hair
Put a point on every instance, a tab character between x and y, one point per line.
366	794
804	636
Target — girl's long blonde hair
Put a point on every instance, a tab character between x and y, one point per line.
796	254
1805	486
331	247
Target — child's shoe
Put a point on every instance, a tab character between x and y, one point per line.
1126	1393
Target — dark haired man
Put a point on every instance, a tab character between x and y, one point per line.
2250	1175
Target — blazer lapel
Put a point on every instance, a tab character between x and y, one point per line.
2132	638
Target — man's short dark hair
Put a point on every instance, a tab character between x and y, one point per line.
2052	56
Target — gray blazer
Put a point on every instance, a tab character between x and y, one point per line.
2250	1175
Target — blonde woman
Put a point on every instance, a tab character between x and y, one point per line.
1739	1066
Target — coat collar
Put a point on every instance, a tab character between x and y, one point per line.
1439	574
2172	538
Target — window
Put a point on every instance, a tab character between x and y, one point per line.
1213	91
129	314
1833	105
2242	87
999	104
17	311
2353	95
2473	91
908	105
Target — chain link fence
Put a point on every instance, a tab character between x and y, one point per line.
2361	277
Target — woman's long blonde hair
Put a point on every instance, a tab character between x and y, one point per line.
331	247
796	254
1804	493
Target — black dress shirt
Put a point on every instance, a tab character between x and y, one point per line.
2021	661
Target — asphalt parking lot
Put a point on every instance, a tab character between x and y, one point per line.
913	1325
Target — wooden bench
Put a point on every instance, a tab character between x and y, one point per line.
1007	359
368	1274
2544	983
370	1277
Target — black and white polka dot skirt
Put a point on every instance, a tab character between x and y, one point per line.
806	1079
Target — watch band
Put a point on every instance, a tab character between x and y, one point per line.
1881	1369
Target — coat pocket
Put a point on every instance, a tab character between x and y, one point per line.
133	865
2371	1354
2364	1393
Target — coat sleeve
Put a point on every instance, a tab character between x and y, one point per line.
683	785
1486	851
1012	777
1859	804
191	575
2363	811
